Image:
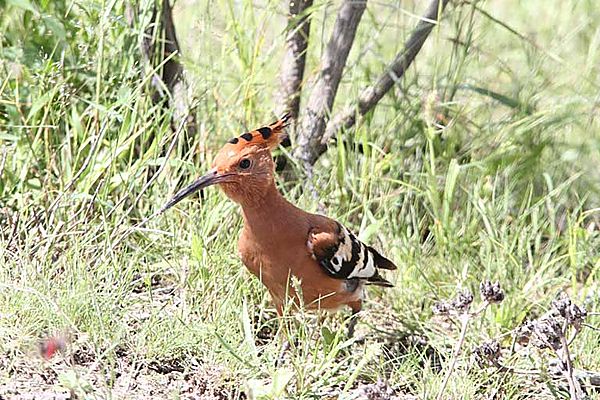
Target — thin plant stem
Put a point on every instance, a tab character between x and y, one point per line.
574	387
465	318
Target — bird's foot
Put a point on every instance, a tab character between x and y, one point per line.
352	326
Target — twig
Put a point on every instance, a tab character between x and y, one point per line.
582	375
294	60
572	338
461	305
325	86
574	387
592	327
504	368
371	95
592	377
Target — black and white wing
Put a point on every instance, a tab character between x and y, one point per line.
343	256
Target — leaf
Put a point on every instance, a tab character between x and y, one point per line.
341	167
371	229
39	103
68	379
328	336
8	137
281	378
78	129
501	98
262	389
23	4
451	178
258	389
247	326
56	27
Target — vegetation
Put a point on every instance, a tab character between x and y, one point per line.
482	164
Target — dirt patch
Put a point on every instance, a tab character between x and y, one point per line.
379	390
61	378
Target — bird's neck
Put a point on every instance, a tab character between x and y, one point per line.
266	215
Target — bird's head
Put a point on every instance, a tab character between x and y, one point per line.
243	167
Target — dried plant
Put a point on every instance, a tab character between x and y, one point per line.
491	292
553	332
488	354
547	333
460	307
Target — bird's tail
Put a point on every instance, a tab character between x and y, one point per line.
381	261
379	280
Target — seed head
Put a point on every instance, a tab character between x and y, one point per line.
487	354
491	292
460	304
546	333
524	332
463	301
374	391
571	312
441	307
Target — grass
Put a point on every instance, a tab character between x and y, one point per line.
481	164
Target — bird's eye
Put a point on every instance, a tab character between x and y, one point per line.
244	163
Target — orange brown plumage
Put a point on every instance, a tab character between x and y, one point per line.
279	240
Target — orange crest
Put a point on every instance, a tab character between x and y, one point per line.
268	136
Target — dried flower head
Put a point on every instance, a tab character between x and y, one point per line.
556	367
491	292
441	307
546	333
487	354
463	301
571	312
374	391
460	304
524	332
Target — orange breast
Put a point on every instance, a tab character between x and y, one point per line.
289	257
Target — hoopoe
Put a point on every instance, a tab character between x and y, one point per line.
279	240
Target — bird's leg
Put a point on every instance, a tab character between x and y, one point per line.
356	307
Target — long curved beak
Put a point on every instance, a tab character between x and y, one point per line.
211	178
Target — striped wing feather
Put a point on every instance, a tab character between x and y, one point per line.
343	256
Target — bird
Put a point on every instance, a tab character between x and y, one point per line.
279	241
